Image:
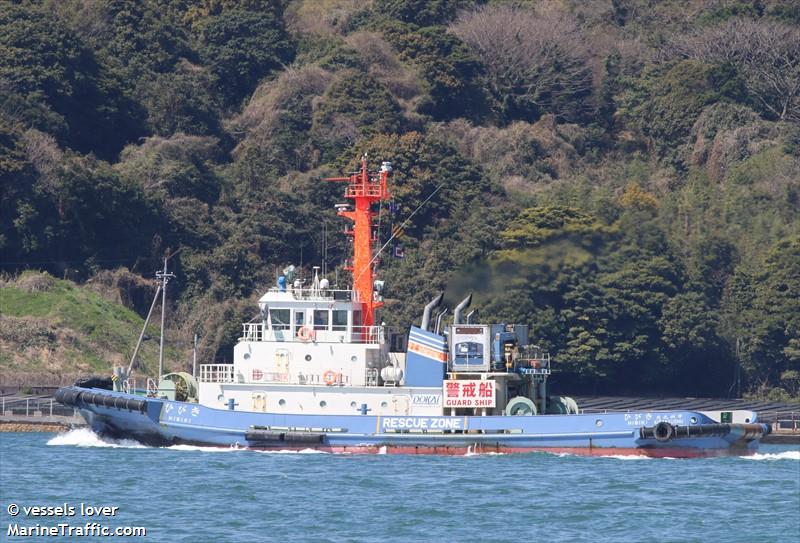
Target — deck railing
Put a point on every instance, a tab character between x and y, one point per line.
216	373
375	190
533	363
224	373
320	294
257	331
33	406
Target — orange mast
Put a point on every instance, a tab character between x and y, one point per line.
365	188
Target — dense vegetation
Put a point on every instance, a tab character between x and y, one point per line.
623	175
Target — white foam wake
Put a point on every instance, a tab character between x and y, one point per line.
302	451
631	457
202	448
785	455
84	437
233	448
614	456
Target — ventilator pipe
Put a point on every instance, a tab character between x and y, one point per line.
426	314
439	319
460	308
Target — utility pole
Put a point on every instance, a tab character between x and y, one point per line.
164	277
194	356
144	329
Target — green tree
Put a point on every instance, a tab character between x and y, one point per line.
693	346
355	105
52	81
134	38
241	46
77	210
422	12
182	101
450	72
665	101
180	175
17	205
763	308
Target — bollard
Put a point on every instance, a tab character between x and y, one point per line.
51	407
27	403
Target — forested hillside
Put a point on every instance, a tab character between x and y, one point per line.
623	175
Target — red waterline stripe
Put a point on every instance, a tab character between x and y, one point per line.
578	451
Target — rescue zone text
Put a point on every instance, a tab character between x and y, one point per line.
422	423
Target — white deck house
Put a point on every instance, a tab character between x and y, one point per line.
309	353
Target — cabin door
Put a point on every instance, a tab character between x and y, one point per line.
259	402
282	359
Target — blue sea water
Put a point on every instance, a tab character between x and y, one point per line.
194	494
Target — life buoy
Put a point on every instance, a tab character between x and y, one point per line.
330	377
306	334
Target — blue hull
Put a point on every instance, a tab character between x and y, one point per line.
162	422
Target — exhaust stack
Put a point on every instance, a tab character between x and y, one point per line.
426	314
460	308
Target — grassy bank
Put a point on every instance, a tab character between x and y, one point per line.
53	327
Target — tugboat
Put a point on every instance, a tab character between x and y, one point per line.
316	370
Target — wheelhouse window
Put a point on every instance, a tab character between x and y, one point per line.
321	319
469	352
299	319
340	319
279	319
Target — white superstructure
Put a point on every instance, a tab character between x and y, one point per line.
308	353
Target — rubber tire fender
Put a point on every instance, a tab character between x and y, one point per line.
663	431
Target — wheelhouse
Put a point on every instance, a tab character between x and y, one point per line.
303	315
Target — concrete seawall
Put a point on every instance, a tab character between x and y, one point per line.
782	437
33	423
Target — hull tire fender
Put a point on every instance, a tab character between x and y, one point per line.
68	396
136	405
90	398
663	431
